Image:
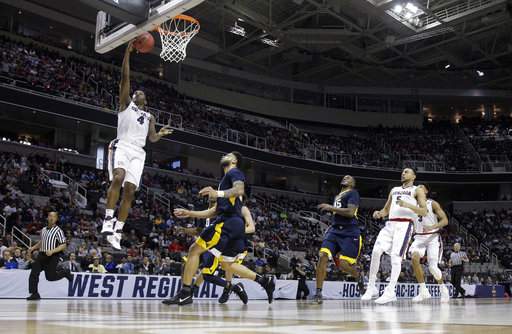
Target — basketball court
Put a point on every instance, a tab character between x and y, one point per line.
82	316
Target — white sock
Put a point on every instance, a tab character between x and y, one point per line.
109	213
374	267
423	286
119	225
396	268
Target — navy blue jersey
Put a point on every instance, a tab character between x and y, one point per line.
203	223
233	205
342	201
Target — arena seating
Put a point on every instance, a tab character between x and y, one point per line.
154	244
436	147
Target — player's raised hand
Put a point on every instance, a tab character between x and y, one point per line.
324	207
377	215
130	47
207	191
165	131
181	213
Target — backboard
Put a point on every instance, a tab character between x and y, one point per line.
109	36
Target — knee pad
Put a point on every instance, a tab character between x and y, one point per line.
435	271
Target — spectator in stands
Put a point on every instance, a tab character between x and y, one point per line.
72	264
8	261
96	266
110	265
2	248
19	257
127	266
146	267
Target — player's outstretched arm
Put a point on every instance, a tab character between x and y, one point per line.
250	226
184	213
124	85
156	136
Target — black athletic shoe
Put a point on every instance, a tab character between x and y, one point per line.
318	298
360	285
223	299
241	293
269	284
66	273
34	296
182	298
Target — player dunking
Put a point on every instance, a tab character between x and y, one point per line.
404	204
343	238
126	153
427	238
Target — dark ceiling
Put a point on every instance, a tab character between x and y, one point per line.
354	42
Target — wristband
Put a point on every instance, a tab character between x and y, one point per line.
220	194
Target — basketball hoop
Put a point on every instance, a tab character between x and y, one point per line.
175	35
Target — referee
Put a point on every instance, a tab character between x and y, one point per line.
51	246
457	257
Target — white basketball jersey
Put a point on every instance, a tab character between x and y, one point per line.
426	221
133	125
406	195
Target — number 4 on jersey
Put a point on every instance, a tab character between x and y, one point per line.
141	119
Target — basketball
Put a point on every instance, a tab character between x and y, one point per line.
144	43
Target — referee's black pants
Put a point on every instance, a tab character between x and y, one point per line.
48	264
456	279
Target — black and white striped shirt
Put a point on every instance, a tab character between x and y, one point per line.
51	238
456	258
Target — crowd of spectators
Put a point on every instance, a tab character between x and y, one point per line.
440	147
492	139
493	228
154	242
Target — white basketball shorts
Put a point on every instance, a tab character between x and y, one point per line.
394	237
429	243
128	157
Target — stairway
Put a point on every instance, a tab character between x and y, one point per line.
60	180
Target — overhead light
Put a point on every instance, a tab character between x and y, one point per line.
447	66
19	12
237	30
272	42
408	12
480	73
411	7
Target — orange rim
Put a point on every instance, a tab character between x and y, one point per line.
183	17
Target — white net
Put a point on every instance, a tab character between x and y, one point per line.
175	35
